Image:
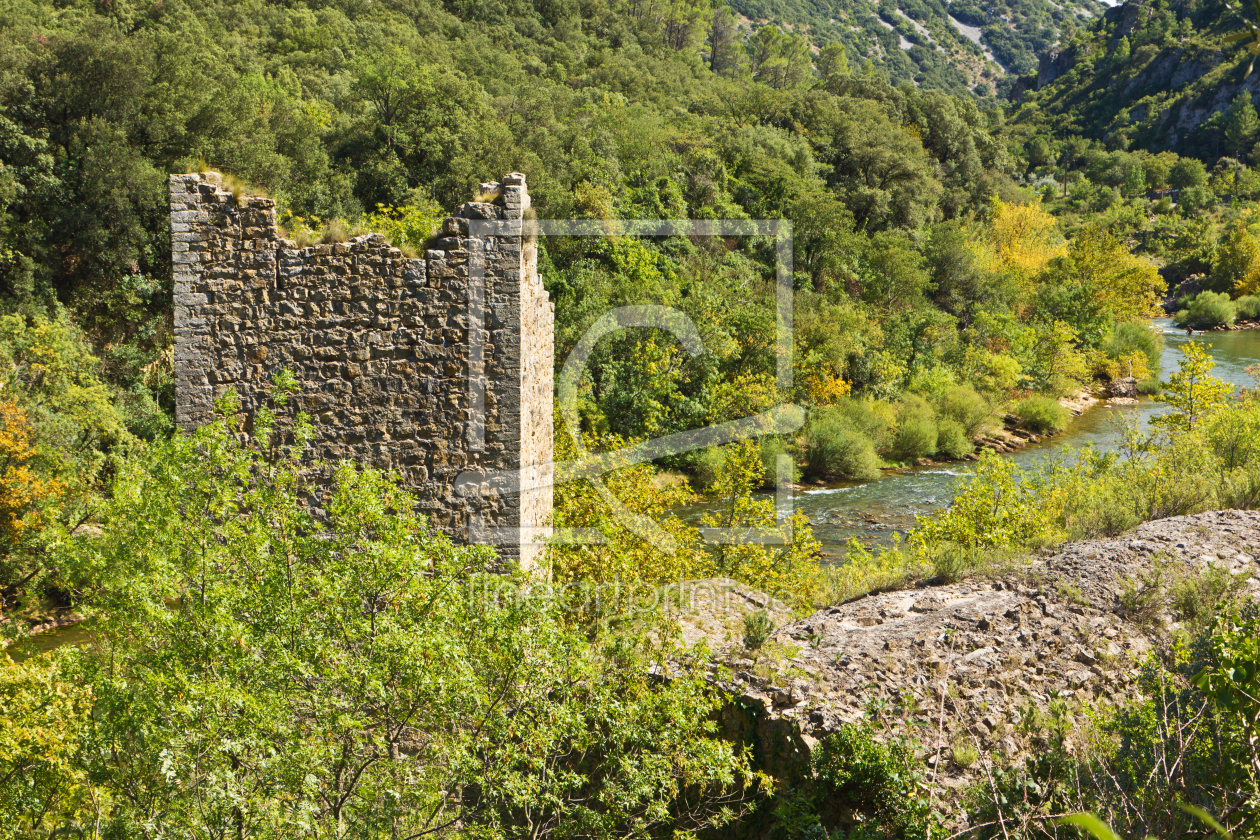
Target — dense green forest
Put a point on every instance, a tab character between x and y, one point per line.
255	672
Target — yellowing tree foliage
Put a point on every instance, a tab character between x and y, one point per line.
1237	262
43	711
1025	237
1193	390
22	490
1126	287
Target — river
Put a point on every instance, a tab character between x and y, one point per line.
874	511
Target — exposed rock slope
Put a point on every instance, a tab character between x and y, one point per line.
964	662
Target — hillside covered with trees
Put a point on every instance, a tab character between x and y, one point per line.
253	669
957	46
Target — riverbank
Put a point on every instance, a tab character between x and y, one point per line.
1011	438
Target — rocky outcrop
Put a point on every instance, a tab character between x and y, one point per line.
1053	64
966	663
1130	17
1125	388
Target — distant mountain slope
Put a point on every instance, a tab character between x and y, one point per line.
967	44
1150	74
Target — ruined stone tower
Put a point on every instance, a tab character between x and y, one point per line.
435	368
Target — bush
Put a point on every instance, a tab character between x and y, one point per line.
964	405
1041	415
932	383
880	781
1100	509
311	661
1147	387
758	627
705	464
1247	307
771	449
952	440
916	430
835	448
1208	309
873	419
1130	337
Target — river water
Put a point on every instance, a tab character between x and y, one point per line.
873	511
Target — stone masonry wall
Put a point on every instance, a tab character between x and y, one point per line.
432	367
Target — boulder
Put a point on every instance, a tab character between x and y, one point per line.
1125	388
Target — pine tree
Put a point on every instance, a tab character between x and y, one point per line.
1241	125
832	64
1123	50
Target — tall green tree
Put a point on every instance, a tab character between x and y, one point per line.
261	673
1241	125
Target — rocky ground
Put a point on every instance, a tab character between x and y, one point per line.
960	665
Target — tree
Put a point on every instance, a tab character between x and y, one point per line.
682	22
1187	173
886	177
725	57
962	285
57	421
1236	266
823	238
1073	149
1135	181
1098	283
259	672
1192	391
894	280
1241	125
1024	236
1039	153
777	58
1122	52
832	65
1057	364
44	710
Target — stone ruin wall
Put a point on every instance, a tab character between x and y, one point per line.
393	355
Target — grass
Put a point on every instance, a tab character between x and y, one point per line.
303	234
239	187
964	753
1070	593
868	572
